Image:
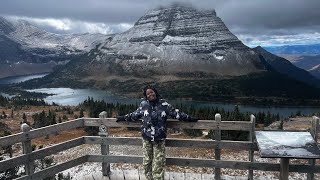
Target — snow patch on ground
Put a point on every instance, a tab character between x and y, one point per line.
93	170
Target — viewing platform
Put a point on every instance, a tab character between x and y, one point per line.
217	162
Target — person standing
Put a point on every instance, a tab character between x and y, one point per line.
154	113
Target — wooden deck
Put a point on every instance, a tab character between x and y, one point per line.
139	175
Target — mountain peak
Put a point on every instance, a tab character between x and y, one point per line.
5	26
181	39
27	28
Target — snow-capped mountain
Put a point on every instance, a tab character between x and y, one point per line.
179	39
33	37
175	46
24	45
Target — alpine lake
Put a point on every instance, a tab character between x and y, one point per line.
72	97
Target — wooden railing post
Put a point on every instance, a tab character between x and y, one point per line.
314	132
27	148
103	132
251	138
217	151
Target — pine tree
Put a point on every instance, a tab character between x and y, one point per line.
12	113
81	113
24	118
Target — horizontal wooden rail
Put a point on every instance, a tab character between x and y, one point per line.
13	162
172	123
40	132
41	153
173	142
51	171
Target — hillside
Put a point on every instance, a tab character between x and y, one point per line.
27	49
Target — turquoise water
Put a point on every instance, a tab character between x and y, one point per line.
72	97
67	96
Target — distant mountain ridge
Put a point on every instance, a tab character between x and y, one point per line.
25	48
311	49
285	67
306	62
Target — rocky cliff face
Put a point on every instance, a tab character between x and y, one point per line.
178	40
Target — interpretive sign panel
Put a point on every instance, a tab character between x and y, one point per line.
287	144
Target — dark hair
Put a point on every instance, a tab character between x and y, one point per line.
150	87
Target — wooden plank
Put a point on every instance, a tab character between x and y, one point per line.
217	149
27	149
53	129
172	123
12	139
176	176
116	175
314	133
174	142
35	133
103	132
251	139
131	174
304	168
56	148
115	159
51	171
207	176
13	162
284	168
192	176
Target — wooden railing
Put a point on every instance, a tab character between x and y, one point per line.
28	157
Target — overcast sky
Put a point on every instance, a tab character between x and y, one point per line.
254	22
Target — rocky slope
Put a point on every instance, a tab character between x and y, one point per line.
315	71
284	66
25	48
175	40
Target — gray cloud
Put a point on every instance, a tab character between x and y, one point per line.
250	20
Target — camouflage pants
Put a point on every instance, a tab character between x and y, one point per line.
154	159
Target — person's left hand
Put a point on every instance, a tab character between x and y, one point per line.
124	118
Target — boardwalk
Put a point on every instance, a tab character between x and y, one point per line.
138	175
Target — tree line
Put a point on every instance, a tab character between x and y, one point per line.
20	102
94	107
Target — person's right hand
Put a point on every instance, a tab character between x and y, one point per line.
120	118
193	119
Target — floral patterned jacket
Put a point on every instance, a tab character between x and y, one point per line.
154	117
